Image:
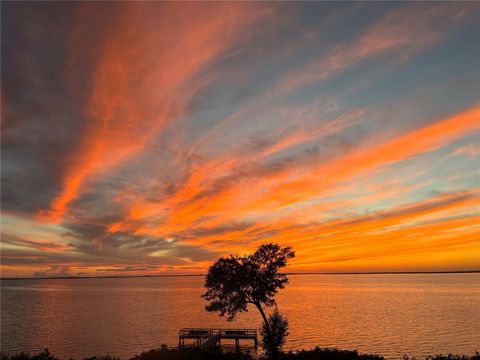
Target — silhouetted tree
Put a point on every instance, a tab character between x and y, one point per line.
236	281
278	325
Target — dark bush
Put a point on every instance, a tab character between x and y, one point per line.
273	338
446	357
327	354
44	355
19	356
102	357
191	354
164	353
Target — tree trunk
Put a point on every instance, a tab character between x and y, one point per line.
267	325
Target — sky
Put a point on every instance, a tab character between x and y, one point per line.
155	137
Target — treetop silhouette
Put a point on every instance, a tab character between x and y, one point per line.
234	282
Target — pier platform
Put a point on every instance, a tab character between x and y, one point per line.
207	338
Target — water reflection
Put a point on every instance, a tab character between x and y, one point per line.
387	314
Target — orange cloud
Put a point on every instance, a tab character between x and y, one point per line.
267	193
383	240
143	77
181	208
387	235
419	141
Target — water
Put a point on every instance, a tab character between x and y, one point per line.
417	314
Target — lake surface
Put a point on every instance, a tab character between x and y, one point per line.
417	314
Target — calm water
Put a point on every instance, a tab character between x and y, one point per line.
386	314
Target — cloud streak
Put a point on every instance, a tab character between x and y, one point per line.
132	96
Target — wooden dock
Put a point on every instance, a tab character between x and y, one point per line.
206	338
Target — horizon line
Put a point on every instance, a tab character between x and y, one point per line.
292	273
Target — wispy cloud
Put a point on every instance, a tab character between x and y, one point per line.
132	96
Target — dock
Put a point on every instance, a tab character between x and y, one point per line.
207	338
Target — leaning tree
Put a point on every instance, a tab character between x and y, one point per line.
234	282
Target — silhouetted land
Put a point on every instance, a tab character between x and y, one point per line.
194	354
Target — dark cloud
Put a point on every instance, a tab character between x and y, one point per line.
54	271
26	258
46	84
11	239
130	268
94	239
40	121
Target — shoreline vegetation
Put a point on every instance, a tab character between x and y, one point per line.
166	353
203	275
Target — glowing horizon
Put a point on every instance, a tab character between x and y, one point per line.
152	138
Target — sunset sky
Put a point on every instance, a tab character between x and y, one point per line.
151	138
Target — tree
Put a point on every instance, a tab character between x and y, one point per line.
236	281
279	331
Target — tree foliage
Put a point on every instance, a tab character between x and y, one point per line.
236	281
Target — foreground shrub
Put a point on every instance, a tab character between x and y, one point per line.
191	354
194	354
102	357
446	357
274	335
19	356
327	354
44	355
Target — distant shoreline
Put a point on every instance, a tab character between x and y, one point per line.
197	275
